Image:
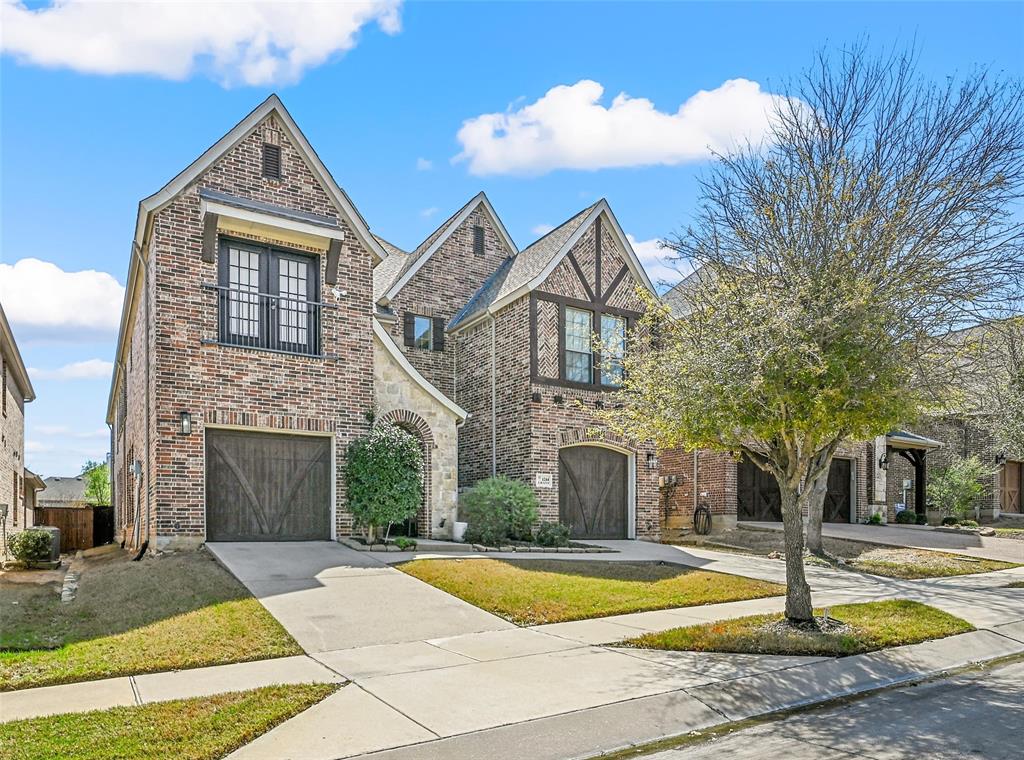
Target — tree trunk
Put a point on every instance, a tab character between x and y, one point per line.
816	508
798	593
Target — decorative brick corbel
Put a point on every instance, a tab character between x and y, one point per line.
333	256
209	237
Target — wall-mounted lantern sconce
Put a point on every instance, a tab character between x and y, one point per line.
883	461
1000	460
186	423
652	461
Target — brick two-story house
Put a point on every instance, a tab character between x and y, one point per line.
263	321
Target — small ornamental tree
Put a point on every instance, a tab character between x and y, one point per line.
955	488
835	262
384	477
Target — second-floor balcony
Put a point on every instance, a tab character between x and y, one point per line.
286	324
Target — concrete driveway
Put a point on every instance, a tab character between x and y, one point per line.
330	597
919	537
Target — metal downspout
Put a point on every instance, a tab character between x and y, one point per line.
149	401
494	399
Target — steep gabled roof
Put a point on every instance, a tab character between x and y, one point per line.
395	352
436	239
527	270
165	195
387	271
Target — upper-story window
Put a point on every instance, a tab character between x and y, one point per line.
268	298
423	332
613	348
579	358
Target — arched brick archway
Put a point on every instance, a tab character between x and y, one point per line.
417	426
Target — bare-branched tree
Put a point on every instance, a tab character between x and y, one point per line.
833	265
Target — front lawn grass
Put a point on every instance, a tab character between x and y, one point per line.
912	564
875	625
531	592
202	728
163	613
1015	584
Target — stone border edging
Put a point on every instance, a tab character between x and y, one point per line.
452	547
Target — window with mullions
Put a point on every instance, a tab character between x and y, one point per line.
268	298
579	358
613	349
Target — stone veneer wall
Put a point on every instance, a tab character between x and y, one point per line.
399	399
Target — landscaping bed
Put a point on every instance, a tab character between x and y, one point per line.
850	629
531	592
202	728
163	613
891	562
1015	533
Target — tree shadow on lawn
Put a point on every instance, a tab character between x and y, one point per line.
115	595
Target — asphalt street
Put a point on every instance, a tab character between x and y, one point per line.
972	715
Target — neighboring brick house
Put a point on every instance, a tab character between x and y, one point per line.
64	491
15	391
866	476
263	322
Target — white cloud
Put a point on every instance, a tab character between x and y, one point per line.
66	432
252	43
90	369
44	301
424	164
429	212
569	128
542	229
656	260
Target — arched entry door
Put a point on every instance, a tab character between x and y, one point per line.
593	497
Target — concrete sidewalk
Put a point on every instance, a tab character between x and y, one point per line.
918	537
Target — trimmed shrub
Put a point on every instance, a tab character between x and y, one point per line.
404	543
949	520
875	519
30	545
383	473
922	519
552	534
906	517
968	523
497	509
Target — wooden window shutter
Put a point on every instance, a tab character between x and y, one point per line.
271	161
409	328
437	328
478	240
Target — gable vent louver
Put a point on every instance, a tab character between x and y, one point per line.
478	240
271	161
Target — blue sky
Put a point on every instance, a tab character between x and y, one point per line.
384	110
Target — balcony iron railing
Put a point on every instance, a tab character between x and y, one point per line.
282	323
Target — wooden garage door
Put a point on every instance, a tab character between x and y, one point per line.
1011	481
837	498
593	495
757	494
267	487
758	500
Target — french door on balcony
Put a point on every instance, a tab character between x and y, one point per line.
268	298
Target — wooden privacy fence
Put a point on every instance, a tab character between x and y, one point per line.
80	527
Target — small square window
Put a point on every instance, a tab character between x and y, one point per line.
422	333
271	161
